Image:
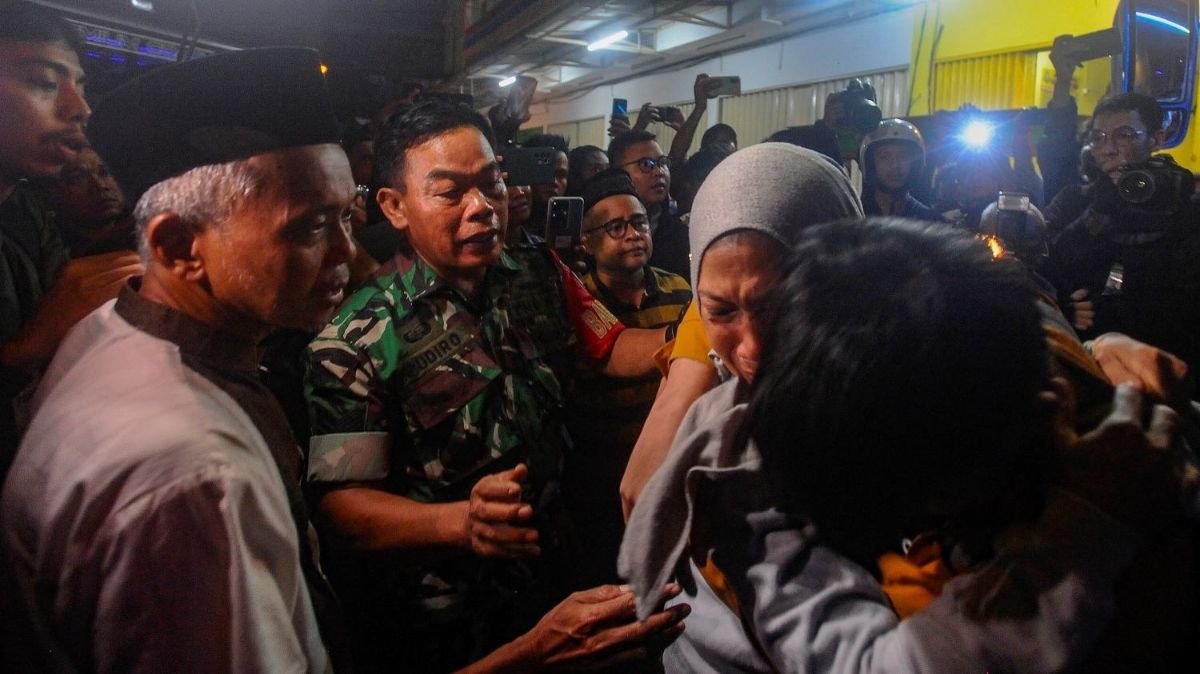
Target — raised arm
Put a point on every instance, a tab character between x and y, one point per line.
702	90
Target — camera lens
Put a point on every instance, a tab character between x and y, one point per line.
1136	187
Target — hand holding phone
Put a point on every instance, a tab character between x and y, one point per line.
520	97
648	114
672	116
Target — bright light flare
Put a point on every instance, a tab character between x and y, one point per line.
610	40
978	134
508	81
144	5
994	245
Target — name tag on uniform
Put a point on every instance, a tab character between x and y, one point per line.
432	350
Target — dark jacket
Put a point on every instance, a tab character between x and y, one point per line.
912	209
672	249
1145	282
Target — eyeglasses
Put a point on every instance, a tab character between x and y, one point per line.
1123	137
618	227
648	164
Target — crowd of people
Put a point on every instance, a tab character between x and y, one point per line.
282	393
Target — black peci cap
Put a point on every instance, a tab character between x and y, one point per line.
210	111
607	183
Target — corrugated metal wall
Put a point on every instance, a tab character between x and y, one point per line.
756	116
584	132
997	82
759	114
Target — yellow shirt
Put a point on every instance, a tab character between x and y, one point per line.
691	342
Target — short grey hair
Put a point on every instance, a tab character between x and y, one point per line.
202	197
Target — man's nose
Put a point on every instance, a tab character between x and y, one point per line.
72	105
478	204
341	246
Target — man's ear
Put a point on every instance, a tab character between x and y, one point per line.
585	240
172	245
391	202
1159	137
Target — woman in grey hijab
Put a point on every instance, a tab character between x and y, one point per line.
747	213
780	599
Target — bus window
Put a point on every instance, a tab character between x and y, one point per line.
1162	36
1089	83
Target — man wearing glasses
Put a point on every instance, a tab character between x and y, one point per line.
642	158
1129	262
616	235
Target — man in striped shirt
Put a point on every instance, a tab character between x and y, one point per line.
609	413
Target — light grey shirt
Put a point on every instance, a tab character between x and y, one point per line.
145	524
1038	607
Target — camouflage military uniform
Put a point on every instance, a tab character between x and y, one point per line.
414	389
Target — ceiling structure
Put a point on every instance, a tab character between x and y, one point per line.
458	46
549	40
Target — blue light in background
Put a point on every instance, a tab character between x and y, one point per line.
115	58
155	51
110	41
1154	18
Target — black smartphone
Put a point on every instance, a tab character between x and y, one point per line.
564	220
1092	45
528	165
620	107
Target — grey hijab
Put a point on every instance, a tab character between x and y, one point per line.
774	188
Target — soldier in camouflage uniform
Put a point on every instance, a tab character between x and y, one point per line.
436	397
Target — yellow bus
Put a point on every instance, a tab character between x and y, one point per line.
994	55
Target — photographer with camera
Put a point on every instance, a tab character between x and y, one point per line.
1129	262
850	115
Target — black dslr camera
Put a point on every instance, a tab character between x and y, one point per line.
861	112
1157	186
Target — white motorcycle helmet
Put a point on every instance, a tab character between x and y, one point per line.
892	130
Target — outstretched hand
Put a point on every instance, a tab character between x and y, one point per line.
599	627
